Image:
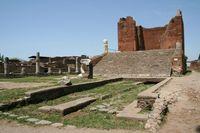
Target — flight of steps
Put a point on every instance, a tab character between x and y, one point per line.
151	63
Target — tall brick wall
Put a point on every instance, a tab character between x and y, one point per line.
152	37
134	38
127	35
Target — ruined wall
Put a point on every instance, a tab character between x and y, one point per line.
152	37
134	38
127	34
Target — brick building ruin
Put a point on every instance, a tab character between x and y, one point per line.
145	52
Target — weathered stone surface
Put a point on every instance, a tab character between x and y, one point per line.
143	64
93	109
13	115
57	124
147	98
22	117
133	38
43	122
58	91
69	107
32	120
45	108
102	97
6	113
131	112
65	81
71	126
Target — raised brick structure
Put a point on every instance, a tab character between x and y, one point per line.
146	52
133	38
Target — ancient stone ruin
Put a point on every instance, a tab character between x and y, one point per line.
41	65
195	64
146	52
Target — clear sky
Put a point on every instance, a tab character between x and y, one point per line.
75	27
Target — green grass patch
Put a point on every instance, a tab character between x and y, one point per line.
123	93
11	95
103	121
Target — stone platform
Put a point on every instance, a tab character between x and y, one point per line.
150	63
68	107
132	112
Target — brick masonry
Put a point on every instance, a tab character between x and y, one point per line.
133	38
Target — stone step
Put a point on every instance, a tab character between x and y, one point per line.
132	112
68	107
151	63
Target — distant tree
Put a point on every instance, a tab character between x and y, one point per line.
199	57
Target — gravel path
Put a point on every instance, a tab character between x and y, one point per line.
184	115
12	127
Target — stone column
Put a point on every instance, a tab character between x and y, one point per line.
69	69
90	75
105	41
49	66
23	70
59	71
77	65
37	64
6	71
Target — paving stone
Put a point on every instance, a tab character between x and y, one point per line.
106	104
57	124
112	111
103	110
13	115
131	112
45	108
102	97
22	117
32	120
93	109
100	106
6	113
43	122
72	106
71	126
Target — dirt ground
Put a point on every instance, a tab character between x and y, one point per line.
12	127
11	85
184	115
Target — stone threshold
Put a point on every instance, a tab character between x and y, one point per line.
132	112
68	107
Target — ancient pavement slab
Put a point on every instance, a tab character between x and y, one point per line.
11	85
131	112
69	107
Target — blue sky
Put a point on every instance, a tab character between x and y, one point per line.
75	27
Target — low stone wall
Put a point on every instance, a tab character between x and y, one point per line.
147	98
11	105
160	109
55	92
